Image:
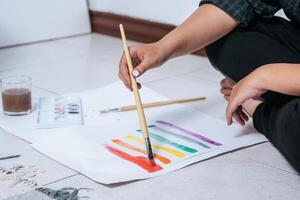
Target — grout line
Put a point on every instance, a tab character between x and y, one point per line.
45	41
62	179
280	169
36	65
200	76
47	90
169	77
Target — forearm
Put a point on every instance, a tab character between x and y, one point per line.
281	77
206	25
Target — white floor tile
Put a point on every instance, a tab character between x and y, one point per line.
209	73
96	43
175	67
72	75
33	54
225	177
267	154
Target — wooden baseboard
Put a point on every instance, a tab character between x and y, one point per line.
136	29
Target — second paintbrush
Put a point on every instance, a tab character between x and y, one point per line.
152	104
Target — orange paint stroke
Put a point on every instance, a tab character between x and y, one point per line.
141	161
174	152
129	146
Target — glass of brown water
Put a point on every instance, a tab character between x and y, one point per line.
16	95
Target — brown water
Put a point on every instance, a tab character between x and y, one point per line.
16	100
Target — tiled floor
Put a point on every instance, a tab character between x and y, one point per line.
91	61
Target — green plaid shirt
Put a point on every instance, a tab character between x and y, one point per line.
247	10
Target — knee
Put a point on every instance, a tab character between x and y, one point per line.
221	49
213	52
224	52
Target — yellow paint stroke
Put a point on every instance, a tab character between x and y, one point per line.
174	152
129	146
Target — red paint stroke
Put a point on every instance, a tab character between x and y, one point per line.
141	161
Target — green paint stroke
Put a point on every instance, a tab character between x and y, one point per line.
166	141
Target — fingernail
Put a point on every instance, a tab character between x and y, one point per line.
135	73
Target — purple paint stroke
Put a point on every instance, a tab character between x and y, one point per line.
197	135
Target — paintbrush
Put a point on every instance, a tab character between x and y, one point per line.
10	157
137	97
152	104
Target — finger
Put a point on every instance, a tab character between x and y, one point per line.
243	114
123	72
135	61
226	91
140	69
124	82
238	118
258	98
227	97
227	83
229	112
139	85
223	83
234	103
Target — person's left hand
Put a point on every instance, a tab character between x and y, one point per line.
247	88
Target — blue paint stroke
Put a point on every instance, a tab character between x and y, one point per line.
178	146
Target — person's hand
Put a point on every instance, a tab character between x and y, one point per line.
226	89
247	88
144	57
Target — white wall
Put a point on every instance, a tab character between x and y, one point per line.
24	21
165	11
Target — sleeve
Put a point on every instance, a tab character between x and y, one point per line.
241	10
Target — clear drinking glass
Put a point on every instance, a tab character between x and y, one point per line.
16	95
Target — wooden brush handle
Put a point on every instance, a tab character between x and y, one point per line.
135	89
162	103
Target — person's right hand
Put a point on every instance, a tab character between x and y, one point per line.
144	57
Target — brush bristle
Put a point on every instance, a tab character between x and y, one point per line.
152	161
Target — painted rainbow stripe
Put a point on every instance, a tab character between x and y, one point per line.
167	141
129	146
141	161
185	138
158	147
197	135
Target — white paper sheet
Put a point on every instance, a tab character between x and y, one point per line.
84	149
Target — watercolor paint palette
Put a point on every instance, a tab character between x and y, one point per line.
55	112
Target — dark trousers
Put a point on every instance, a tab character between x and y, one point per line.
265	41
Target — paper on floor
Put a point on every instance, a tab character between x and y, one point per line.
114	153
